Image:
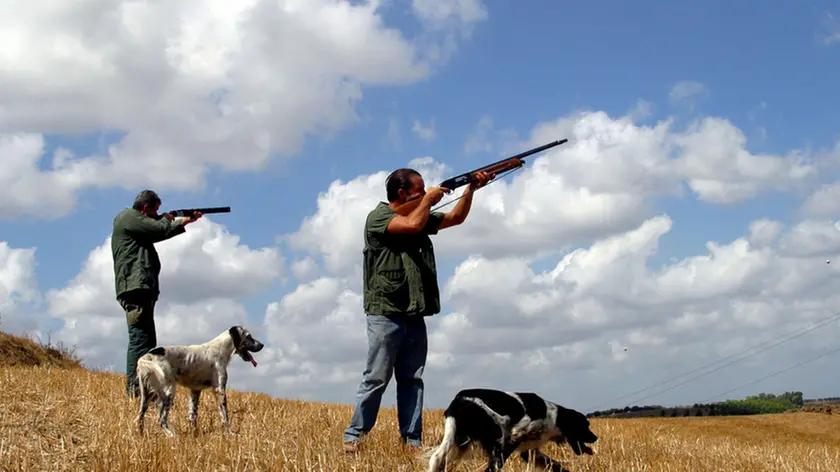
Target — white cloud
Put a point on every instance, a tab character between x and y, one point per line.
18	288
812	238
484	138
304	268
608	293
586	206
531	329
205	275
719	168
641	110
334	231
478	140
316	341
426	133
585	210
188	83
829	31
512	326
764	232
825	201
464	13
30	191
394	135
687	93
604	179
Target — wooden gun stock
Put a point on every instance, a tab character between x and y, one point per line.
496	168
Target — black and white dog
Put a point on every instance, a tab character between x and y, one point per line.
504	423
196	367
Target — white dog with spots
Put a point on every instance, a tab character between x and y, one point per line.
196	367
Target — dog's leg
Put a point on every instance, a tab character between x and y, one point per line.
497	454
542	461
167	397
195	396
221	397
495	460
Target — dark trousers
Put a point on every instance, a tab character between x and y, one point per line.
139	310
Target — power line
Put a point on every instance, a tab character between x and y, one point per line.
774	374
733	362
784	338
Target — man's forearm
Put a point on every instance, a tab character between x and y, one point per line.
462	209
175	228
420	215
154	229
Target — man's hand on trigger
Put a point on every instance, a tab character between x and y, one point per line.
195	216
168	216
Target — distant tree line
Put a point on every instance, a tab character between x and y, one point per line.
823	400
763	403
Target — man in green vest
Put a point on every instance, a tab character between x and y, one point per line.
400	290
136	272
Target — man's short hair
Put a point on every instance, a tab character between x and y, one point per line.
399	179
146	198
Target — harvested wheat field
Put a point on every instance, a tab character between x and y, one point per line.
74	419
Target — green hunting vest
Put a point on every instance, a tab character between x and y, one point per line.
136	261
400	276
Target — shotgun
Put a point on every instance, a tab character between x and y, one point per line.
204	211
505	165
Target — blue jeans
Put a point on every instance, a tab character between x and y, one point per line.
396	346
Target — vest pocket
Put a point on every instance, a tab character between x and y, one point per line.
392	292
390	281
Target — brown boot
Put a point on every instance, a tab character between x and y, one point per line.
351	447
412	449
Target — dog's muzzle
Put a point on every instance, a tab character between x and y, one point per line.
579	445
245	352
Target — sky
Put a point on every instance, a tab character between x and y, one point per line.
690	218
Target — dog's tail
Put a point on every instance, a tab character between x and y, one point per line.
442	455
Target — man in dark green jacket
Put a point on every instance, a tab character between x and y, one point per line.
400	289
136	272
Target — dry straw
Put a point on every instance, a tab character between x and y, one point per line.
55	419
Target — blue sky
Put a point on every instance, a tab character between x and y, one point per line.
532	61
762	64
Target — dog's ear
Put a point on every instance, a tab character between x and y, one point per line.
235	335
576	428
564	418
569	421
575	447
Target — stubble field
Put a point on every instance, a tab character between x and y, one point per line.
74	419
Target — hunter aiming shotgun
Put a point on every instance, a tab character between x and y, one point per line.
203	211
503	166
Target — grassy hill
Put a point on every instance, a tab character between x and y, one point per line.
55	415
